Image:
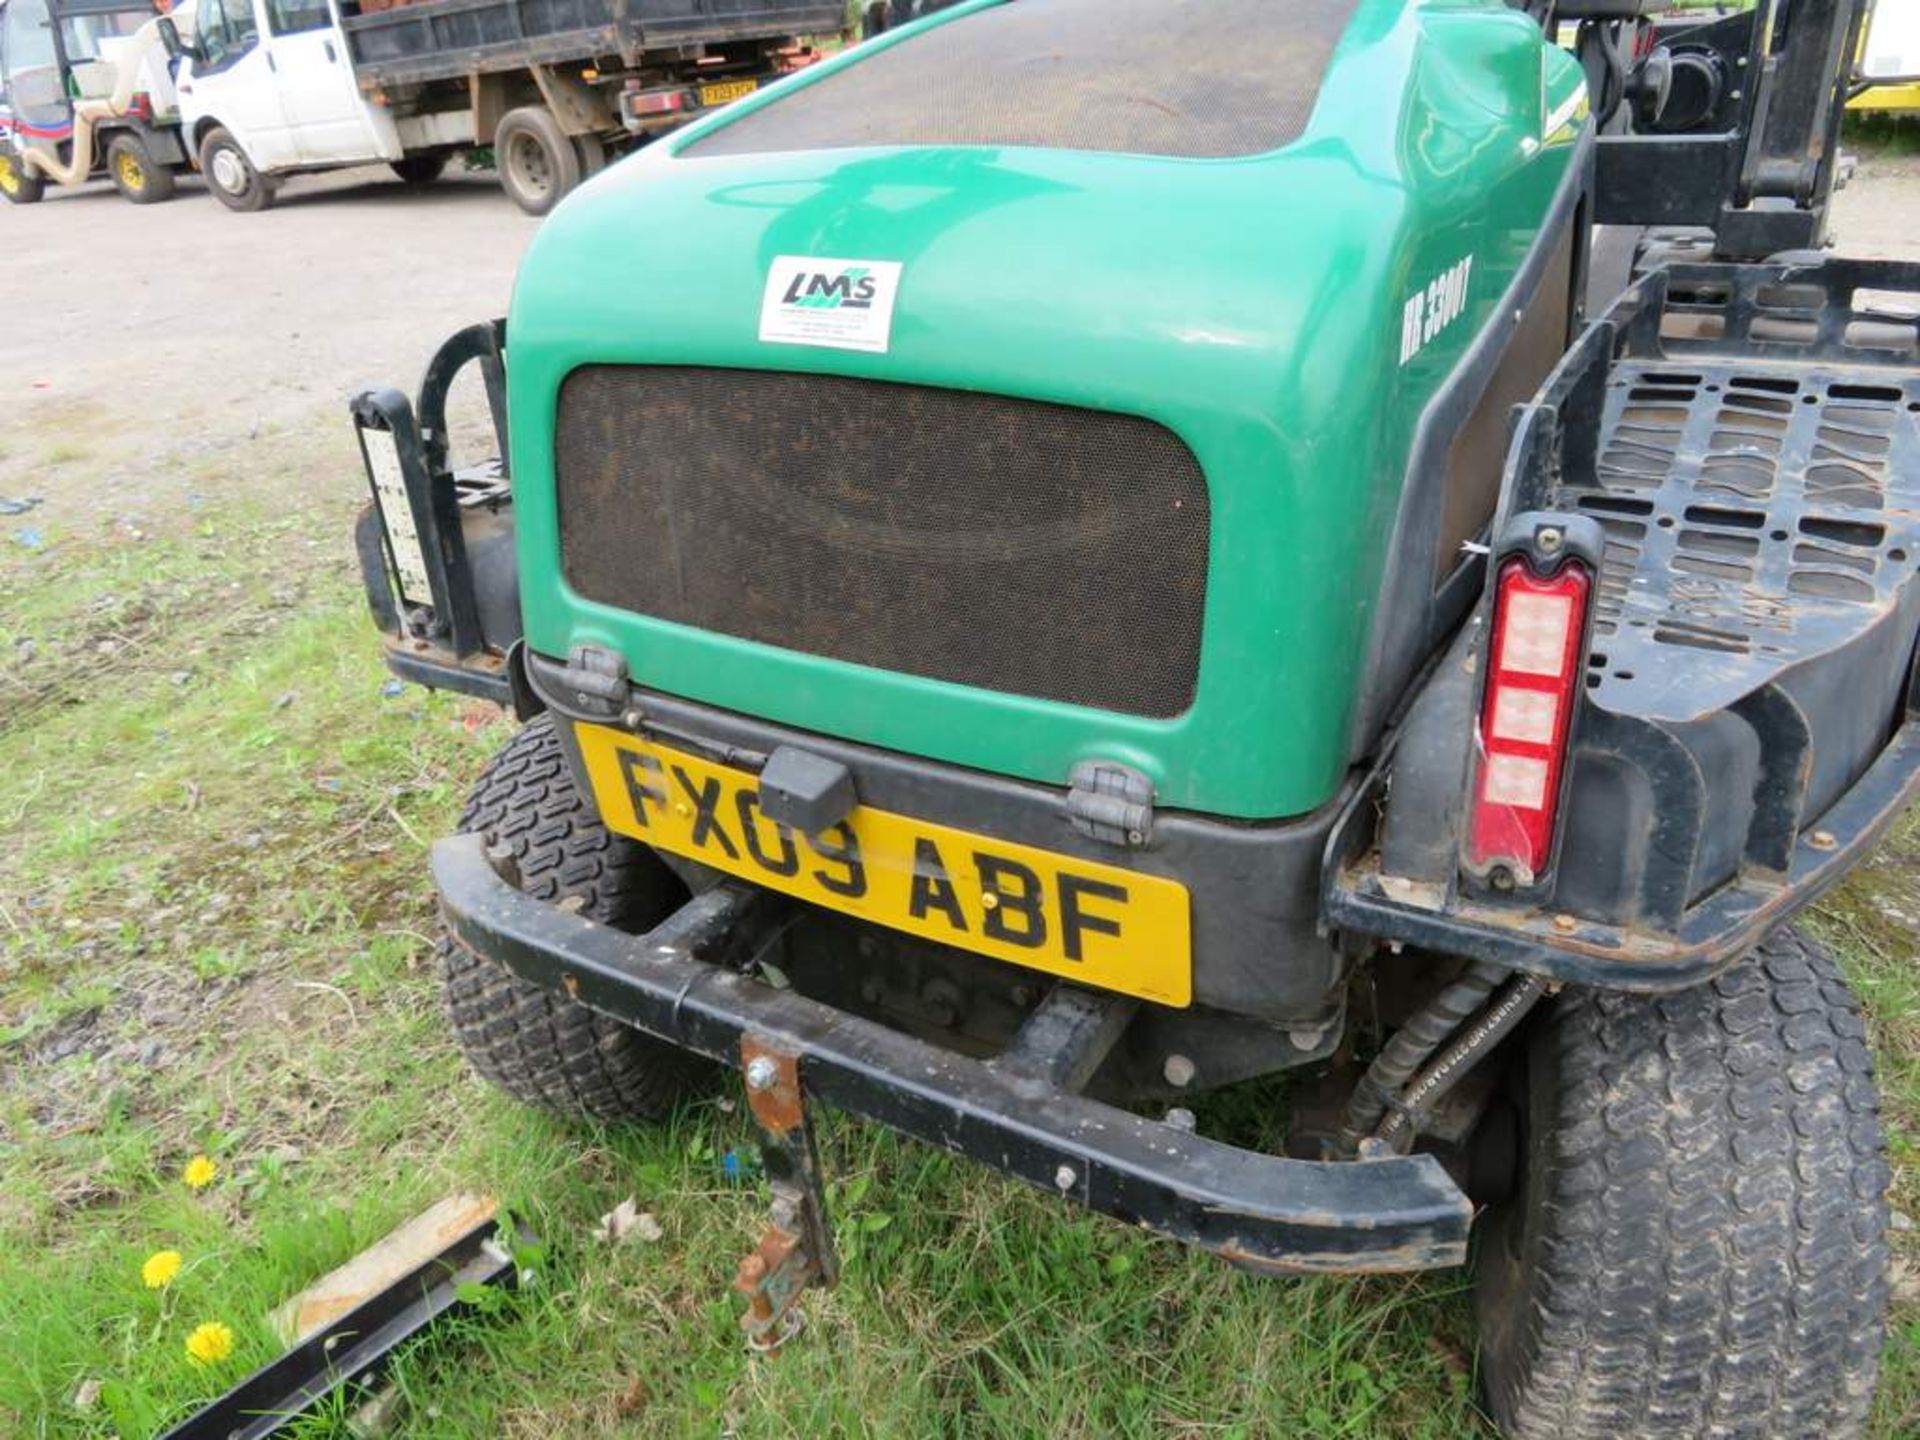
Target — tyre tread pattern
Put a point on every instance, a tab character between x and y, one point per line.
1711	1256
540	1047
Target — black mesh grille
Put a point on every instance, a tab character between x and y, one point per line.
998	543
1195	78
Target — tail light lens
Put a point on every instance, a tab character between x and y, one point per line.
656	102
1534	662
140	106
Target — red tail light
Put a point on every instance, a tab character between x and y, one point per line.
140	106
1534	660
657	102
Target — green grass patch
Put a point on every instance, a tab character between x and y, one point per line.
1879	134
214	918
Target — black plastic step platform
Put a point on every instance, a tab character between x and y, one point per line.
1762	513
1748	437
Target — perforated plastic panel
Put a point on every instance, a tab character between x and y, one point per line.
1194	78
1759	512
999	543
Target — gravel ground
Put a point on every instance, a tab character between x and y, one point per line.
132	339
1878	214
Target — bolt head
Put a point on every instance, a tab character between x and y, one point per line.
1549	538
1181	1118
1065	1177
762	1073
1179	1071
633	719
1565	924
1823	840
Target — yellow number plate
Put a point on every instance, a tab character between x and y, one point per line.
725	90
1097	924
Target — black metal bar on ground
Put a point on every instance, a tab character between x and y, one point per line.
1260	1211
354	1349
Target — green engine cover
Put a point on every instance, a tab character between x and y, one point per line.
1289	315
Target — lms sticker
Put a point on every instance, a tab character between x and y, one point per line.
840	304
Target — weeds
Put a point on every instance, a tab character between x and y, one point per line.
214	917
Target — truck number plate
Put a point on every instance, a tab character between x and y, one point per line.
723	91
1099	925
396	515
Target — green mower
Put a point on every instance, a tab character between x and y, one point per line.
1086	552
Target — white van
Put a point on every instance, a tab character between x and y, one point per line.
267	89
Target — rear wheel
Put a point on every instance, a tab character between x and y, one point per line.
230	174
593	155
135	173
18	184
540	1047
536	160
420	169
1697	1243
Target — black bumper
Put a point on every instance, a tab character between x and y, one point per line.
1711	935
1259	1211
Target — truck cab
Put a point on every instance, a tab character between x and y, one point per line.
268	88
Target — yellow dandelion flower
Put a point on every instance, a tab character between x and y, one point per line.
199	1172
160	1268
210	1343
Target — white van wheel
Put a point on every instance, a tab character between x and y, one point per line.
230	175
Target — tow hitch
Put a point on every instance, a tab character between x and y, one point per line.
797	1250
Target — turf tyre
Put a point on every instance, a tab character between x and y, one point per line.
539	1047
19	185
138	177
1697	1246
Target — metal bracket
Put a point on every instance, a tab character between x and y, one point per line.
797	1250
1071	1031
580	109
596	680
1112	802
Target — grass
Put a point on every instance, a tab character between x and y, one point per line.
1883	135
214	919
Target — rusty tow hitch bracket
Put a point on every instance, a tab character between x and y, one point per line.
797	1250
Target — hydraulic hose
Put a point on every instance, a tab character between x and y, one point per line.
1401	1125
1412	1045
